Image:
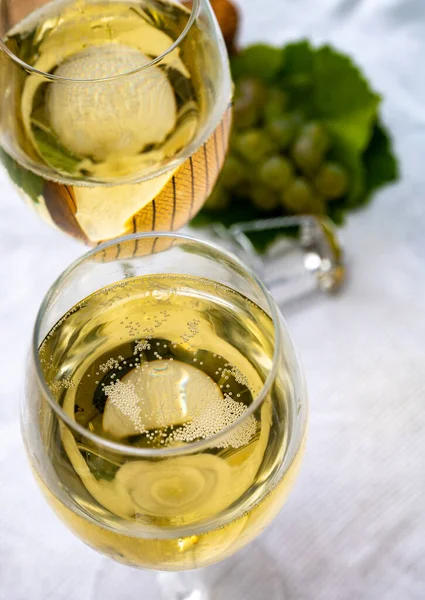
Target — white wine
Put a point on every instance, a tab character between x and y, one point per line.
157	363
96	144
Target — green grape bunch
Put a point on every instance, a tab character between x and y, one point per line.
279	161
308	138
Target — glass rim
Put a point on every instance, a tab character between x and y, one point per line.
194	13
191	447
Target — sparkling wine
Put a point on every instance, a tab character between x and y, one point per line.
161	362
96	145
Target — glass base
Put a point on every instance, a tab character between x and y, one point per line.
252	574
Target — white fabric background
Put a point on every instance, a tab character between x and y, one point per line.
354	527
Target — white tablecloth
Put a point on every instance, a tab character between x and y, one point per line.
354	527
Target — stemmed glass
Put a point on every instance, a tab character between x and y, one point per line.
114	116
164	412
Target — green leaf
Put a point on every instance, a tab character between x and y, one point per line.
54	154
298	62
261	240
259	60
368	172
297	75
336	211
240	210
343	98
327	85
28	182
380	164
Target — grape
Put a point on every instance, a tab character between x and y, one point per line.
301	197
276	173
233	142
254	89
318	205
275	105
298	119
317	133
218	200
245	113
250	97
282	131
332	180
253	145
307	156
243	191
298	195
263	199
233	173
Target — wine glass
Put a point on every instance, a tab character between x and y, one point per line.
115	118
164	412
114	114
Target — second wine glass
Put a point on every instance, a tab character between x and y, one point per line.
114	116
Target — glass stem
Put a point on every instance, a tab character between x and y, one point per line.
183	585
128	270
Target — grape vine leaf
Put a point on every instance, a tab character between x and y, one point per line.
380	163
328	86
54	154
28	182
260	60
343	99
296	76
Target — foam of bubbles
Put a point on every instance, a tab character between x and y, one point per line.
216	417
170	394
125	398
